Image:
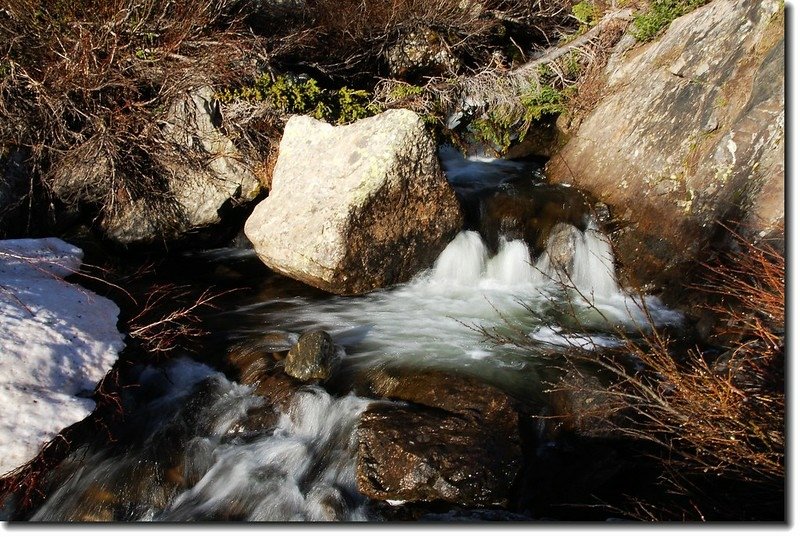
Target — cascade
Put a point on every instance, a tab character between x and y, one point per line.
302	466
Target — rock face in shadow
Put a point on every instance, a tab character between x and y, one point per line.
530	212
690	132
357	207
456	440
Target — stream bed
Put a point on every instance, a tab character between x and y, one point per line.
198	445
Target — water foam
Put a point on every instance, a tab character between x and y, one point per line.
301	469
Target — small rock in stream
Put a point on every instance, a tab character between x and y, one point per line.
312	358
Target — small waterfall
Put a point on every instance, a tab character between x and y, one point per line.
466	261
512	265
463	261
593	267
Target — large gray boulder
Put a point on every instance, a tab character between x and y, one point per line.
357	207
690	132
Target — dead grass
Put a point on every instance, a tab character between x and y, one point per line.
87	87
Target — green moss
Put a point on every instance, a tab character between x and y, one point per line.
587	13
661	13
543	101
492	130
352	105
292	96
404	91
500	126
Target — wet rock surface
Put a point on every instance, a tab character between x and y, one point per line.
580	404
456	442
259	367
312	357
445	391
561	245
529	212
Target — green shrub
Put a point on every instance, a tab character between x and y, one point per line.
586	12
295	96
661	13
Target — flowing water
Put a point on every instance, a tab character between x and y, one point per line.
190	453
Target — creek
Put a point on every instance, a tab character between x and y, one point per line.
191	448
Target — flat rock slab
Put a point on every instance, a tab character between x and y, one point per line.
357	207
421	454
458	441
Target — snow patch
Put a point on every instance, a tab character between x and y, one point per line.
57	341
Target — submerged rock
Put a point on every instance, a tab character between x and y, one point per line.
357	207
453	393
459	443
254	366
312	357
530	213
690	132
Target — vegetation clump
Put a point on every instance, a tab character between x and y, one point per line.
500	127
292	95
660	14
587	13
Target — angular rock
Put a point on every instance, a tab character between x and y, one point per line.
462	446
561	247
312	357
210	177
357	207
690	132
420	52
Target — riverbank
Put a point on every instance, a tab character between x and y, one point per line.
600	315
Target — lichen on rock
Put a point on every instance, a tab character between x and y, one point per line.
357	207
689	134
